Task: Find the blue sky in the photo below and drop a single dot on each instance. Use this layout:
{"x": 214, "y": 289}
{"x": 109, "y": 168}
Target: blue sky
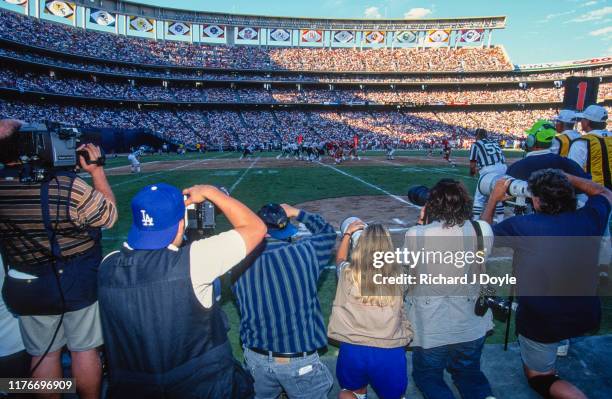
{"x": 537, "y": 30}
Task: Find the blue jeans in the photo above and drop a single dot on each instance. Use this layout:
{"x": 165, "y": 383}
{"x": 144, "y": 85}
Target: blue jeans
{"x": 463, "y": 363}
{"x": 301, "y": 378}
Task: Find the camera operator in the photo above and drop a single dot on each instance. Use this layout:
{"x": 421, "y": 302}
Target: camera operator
{"x": 447, "y": 333}
{"x": 550, "y": 250}
{"x": 564, "y": 124}
{"x": 165, "y": 335}
{"x": 50, "y": 233}
{"x": 281, "y": 323}
{"x": 540, "y": 156}
{"x": 486, "y": 156}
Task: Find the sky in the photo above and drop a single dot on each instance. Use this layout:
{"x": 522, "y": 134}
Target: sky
{"x": 536, "y": 30}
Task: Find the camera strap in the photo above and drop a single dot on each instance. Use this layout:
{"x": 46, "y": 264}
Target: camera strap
{"x": 51, "y": 236}
{"x": 479, "y": 236}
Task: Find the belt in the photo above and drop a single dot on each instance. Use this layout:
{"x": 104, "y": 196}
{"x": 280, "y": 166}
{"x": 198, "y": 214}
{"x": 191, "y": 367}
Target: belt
{"x": 283, "y": 354}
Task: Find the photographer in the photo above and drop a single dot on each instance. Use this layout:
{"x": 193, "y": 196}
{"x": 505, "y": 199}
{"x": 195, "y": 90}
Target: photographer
{"x": 50, "y": 239}
{"x": 281, "y": 323}
{"x": 447, "y": 333}
{"x": 165, "y": 335}
{"x": 368, "y": 319}
{"x": 555, "y": 264}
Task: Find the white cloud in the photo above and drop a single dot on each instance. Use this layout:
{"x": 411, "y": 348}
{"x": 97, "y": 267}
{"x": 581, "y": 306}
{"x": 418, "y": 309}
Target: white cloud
{"x": 594, "y": 15}
{"x": 417, "y": 13}
{"x": 601, "y": 32}
{"x": 550, "y": 17}
{"x": 604, "y": 33}
{"x": 372, "y": 12}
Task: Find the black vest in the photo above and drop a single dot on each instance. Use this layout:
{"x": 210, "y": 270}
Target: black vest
{"x": 151, "y": 319}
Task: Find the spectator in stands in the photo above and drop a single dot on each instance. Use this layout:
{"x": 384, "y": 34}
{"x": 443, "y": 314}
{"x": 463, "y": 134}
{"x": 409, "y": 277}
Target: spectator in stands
{"x": 447, "y": 333}
{"x": 184, "y": 353}
{"x": 368, "y": 319}
{"x": 41, "y": 243}
{"x": 556, "y": 270}
{"x": 281, "y": 323}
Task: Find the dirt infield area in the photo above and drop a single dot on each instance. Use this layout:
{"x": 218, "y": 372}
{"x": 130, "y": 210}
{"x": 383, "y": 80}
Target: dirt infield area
{"x": 221, "y": 162}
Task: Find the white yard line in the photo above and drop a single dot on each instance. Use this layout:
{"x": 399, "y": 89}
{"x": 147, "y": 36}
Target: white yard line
{"x": 432, "y": 170}
{"x": 237, "y": 182}
{"x": 382, "y": 190}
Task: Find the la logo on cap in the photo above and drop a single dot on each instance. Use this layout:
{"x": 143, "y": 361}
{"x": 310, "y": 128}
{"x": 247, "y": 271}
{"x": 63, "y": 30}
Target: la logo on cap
{"x": 147, "y": 220}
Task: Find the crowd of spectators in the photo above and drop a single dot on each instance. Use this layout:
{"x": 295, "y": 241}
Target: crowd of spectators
{"x": 107, "y": 46}
{"x": 233, "y": 129}
{"x": 156, "y": 91}
{"x": 282, "y": 77}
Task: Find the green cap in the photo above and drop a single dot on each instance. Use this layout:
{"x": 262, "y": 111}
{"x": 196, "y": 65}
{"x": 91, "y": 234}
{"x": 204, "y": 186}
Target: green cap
{"x": 543, "y": 131}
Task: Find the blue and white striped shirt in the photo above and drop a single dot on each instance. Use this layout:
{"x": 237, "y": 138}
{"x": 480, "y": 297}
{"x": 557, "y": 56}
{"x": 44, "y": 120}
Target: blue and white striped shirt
{"x": 277, "y": 294}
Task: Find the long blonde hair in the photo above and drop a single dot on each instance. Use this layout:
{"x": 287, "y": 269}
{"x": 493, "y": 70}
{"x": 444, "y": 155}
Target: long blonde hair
{"x": 375, "y": 238}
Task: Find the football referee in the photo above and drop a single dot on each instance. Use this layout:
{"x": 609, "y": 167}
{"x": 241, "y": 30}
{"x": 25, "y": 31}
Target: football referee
{"x": 486, "y": 157}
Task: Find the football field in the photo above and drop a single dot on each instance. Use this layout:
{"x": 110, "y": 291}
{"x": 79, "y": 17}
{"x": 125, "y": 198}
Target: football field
{"x": 373, "y": 189}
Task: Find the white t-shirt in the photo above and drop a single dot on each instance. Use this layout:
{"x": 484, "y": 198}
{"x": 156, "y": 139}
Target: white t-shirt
{"x": 10, "y": 336}
{"x": 210, "y": 258}
{"x": 579, "y": 150}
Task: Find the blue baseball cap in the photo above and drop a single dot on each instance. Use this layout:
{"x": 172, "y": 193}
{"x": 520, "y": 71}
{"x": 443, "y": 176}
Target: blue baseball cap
{"x": 156, "y": 212}
{"x": 277, "y": 222}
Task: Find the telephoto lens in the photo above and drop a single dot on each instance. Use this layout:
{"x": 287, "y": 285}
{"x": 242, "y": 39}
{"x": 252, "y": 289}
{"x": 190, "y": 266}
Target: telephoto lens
{"x": 418, "y": 195}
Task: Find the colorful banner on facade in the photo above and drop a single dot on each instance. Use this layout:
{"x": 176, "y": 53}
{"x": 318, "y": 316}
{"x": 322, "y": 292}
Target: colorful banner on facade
{"x": 178, "y": 29}
{"x": 566, "y": 64}
{"x": 405, "y": 36}
{"x": 471, "y": 35}
{"x": 248, "y": 33}
{"x": 213, "y": 31}
{"x": 438, "y": 36}
{"x": 61, "y": 9}
{"x": 374, "y": 36}
{"x": 101, "y": 17}
{"x": 280, "y": 35}
{"x": 312, "y": 36}
{"x": 142, "y": 24}
{"x": 17, "y": 2}
{"x": 344, "y": 36}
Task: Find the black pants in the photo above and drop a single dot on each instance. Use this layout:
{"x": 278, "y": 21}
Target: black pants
{"x": 16, "y": 365}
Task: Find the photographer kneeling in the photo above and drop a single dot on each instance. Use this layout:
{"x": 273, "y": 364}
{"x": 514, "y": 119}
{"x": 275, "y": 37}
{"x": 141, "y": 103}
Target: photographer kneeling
{"x": 165, "y": 334}
{"x": 50, "y": 238}
{"x": 447, "y": 333}
{"x": 555, "y": 264}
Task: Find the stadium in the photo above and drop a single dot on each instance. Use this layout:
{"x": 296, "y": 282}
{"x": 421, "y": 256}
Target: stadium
{"x": 234, "y": 101}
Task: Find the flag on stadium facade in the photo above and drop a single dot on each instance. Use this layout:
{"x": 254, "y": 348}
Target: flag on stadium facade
{"x": 17, "y": 2}
{"x": 471, "y": 35}
{"x": 280, "y": 35}
{"x": 312, "y": 36}
{"x": 344, "y": 36}
{"x": 405, "y": 36}
{"x": 61, "y": 9}
{"x": 213, "y": 31}
{"x": 248, "y": 33}
{"x": 178, "y": 29}
{"x": 142, "y": 24}
{"x": 101, "y": 17}
{"x": 438, "y": 36}
{"x": 375, "y": 36}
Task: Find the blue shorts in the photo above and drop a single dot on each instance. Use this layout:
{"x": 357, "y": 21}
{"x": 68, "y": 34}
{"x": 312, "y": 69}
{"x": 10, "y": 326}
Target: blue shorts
{"x": 383, "y": 368}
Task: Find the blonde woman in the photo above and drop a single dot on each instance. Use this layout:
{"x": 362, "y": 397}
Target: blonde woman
{"x": 368, "y": 319}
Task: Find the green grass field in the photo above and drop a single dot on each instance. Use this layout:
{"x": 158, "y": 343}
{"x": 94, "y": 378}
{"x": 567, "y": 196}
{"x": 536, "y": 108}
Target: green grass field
{"x": 292, "y": 185}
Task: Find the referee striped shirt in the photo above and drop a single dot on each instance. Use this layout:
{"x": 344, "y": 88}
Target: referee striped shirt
{"x": 486, "y": 153}
{"x": 277, "y": 293}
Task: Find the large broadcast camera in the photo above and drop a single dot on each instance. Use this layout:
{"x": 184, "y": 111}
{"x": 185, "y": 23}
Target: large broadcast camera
{"x": 47, "y": 147}
{"x": 518, "y": 189}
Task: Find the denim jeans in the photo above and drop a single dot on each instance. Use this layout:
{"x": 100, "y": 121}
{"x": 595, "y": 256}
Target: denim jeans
{"x": 301, "y": 378}
{"x": 463, "y": 363}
